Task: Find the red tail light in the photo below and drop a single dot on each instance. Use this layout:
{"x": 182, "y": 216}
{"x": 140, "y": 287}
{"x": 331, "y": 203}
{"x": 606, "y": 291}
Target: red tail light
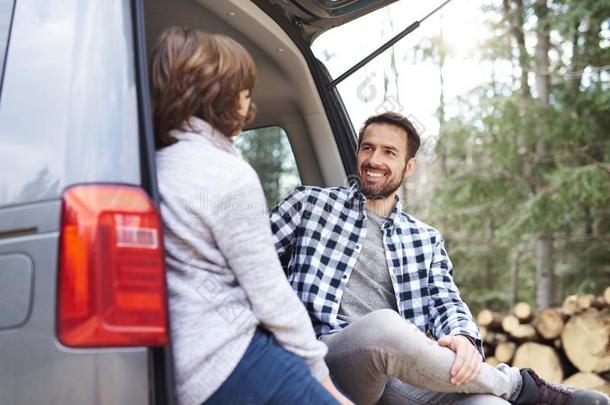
{"x": 111, "y": 277}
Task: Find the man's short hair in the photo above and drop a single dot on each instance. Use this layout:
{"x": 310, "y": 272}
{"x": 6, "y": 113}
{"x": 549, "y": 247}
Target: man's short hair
{"x": 392, "y": 118}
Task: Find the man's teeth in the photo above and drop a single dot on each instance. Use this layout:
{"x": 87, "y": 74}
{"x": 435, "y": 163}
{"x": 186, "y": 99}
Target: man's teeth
{"x": 374, "y": 174}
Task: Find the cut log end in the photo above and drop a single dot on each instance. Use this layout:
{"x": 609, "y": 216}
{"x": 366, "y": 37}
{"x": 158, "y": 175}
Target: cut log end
{"x": 509, "y": 323}
{"x": 505, "y": 351}
{"x": 585, "y": 301}
{"x": 492, "y": 361}
{"x": 570, "y": 305}
{"x": 586, "y": 340}
{"x": 523, "y": 311}
{"x": 524, "y": 333}
{"x": 589, "y": 381}
{"x": 549, "y": 323}
{"x": 488, "y": 319}
{"x": 542, "y": 359}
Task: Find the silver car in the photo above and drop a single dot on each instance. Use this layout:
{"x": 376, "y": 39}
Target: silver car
{"x": 82, "y": 293}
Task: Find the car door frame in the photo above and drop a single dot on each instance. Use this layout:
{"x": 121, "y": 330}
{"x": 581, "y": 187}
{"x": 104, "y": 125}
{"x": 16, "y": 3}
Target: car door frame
{"x": 160, "y": 359}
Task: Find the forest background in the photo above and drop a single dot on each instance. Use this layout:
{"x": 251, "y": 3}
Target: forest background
{"x": 515, "y": 171}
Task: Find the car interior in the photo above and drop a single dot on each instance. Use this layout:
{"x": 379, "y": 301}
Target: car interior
{"x": 285, "y": 92}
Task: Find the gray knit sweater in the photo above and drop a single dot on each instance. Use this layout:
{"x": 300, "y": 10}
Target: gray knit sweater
{"x": 223, "y": 275}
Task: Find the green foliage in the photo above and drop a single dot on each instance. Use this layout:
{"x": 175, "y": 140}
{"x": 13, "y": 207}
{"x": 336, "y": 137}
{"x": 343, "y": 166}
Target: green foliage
{"x": 268, "y": 152}
{"x": 515, "y": 167}
{"x": 584, "y": 186}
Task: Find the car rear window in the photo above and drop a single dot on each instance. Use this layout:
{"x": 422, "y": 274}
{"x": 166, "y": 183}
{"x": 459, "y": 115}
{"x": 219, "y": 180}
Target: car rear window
{"x": 68, "y": 103}
{"x": 6, "y": 14}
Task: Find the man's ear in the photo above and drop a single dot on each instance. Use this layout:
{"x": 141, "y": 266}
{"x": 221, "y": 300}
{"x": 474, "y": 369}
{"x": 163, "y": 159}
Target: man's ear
{"x": 410, "y": 167}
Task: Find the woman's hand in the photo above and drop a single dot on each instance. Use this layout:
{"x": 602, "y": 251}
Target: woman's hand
{"x": 330, "y": 387}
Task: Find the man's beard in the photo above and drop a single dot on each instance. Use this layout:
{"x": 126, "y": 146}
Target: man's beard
{"x": 382, "y": 191}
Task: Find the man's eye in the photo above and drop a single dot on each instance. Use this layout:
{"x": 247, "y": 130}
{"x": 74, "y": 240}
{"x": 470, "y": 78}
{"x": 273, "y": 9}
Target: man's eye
{"x": 391, "y": 153}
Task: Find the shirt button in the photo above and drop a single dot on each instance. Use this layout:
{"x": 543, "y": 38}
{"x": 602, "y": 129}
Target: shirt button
{"x": 358, "y": 247}
{"x": 345, "y": 277}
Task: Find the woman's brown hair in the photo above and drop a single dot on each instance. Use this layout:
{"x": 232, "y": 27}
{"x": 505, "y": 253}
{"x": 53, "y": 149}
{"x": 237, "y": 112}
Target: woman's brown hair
{"x": 194, "y": 73}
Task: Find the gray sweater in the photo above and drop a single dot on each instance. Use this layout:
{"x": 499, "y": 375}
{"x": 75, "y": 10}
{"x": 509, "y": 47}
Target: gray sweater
{"x": 223, "y": 275}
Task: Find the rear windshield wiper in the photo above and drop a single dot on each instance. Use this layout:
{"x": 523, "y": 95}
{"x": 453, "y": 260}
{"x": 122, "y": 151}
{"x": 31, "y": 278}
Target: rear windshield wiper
{"x": 384, "y": 47}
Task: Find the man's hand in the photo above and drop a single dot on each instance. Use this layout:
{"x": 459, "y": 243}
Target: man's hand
{"x": 330, "y": 387}
{"x": 468, "y": 360}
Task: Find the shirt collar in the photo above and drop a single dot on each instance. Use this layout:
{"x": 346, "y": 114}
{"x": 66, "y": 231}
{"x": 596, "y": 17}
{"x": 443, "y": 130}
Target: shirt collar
{"x": 359, "y": 200}
{"x": 197, "y": 130}
{"x": 396, "y": 215}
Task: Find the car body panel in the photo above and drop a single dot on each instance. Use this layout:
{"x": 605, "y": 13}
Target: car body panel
{"x": 68, "y": 114}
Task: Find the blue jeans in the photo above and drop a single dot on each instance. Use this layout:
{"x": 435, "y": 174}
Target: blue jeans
{"x": 269, "y": 374}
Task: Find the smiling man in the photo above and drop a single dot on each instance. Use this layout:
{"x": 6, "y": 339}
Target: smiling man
{"x": 375, "y": 280}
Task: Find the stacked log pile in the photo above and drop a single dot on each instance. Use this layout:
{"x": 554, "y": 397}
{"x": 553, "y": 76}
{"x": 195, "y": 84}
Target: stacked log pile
{"x": 569, "y": 344}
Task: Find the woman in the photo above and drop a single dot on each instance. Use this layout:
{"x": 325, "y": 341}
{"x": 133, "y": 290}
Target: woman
{"x": 239, "y": 332}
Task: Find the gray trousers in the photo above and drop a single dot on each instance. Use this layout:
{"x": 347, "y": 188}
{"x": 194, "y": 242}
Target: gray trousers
{"x": 383, "y": 358}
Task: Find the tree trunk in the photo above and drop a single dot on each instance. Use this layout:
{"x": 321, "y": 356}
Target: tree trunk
{"x": 393, "y": 67}
{"x": 513, "y": 289}
{"x": 576, "y": 64}
{"x": 544, "y": 240}
{"x": 516, "y": 21}
{"x": 442, "y": 56}
{"x": 488, "y": 281}
{"x": 543, "y": 74}
{"x": 544, "y": 270}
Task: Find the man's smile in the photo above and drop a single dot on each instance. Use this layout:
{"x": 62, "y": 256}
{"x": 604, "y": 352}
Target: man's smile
{"x": 374, "y": 175}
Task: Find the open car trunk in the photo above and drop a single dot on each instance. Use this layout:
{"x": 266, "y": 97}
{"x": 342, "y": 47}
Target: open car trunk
{"x": 316, "y": 16}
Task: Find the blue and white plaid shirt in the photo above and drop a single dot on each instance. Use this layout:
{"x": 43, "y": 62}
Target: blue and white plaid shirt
{"x": 318, "y": 233}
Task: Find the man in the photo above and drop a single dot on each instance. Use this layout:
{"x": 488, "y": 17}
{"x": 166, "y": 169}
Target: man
{"x": 375, "y": 280}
